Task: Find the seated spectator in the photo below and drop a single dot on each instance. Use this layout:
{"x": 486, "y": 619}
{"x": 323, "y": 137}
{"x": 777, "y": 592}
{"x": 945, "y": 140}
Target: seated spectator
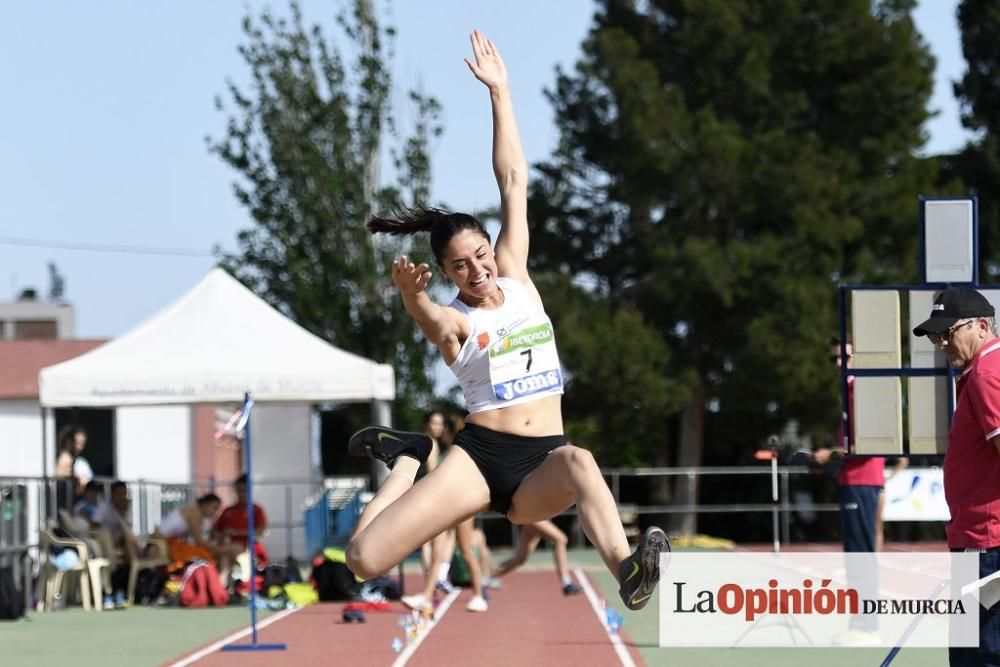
{"x": 114, "y": 517}
{"x": 231, "y": 526}
{"x": 89, "y": 504}
{"x": 186, "y": 530}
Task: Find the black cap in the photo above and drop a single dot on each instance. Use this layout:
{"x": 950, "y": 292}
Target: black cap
{"x": 952, "y": 305}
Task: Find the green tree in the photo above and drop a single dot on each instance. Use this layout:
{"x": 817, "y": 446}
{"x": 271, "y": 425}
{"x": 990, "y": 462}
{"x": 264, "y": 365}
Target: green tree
{"x": 306, "y": 137}
{"x": 978, "y": 164}
{"x": 619, "y": 389}
{"x": 722, "y": 167}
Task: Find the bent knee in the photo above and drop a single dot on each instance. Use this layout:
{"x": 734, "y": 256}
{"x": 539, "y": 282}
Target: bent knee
{"x": 581, "y": 461}
{"x": 360, "y": 561}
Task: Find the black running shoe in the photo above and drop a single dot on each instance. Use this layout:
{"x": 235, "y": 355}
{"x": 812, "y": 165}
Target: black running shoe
{"x": 572, "y": 589}
{"x": 640, "y": 572}
{"x": 387, "y": 445}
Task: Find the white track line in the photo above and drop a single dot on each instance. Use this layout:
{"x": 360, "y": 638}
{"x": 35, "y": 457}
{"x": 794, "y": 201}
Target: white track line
{"x": 595, "y": 604}
{"x": 212, "y": 648}
{"x": 442, "y": 609}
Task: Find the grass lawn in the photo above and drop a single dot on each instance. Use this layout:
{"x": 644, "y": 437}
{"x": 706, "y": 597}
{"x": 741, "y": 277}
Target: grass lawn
{"x": 132, "y": 637}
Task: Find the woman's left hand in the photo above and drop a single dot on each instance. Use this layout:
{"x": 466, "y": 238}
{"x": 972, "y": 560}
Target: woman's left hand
{"x": 410, "y": 278}
{"x": 488, "y": 67}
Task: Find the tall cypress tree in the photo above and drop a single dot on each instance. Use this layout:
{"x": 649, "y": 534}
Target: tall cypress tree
{"x": 978, "y": 163}
{"x": 722, "y": 167}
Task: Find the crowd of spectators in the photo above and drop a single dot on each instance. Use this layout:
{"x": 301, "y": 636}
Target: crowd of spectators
{"x": 202, "y": 532}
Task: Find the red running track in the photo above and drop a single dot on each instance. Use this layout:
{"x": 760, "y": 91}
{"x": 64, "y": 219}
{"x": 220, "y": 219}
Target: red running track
{"x": 530, "y": 622}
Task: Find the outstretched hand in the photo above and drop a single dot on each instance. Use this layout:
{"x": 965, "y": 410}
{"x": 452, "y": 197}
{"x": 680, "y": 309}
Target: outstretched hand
{"x": 410, "y": 278}
{"x": 488, "y": 66}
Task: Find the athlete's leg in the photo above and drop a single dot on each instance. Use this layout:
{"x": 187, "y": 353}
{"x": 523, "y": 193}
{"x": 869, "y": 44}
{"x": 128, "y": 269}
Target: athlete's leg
{"x": 485, "y": 556}
{"x": 550, "y": 532}
{"x": 570, "y": 475}
{"x": 463, "y": 535}
{"x": 426, "y": 555}
{"x": 399, "y": 481}
{"x": 527, "y": 542}
{"x": 414, "y": 513}
{"x": 442, "y": 547}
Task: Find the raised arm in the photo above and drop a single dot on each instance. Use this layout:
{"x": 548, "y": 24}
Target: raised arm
{"x": 509, "y": 163}
{"x": 443, "y": 327}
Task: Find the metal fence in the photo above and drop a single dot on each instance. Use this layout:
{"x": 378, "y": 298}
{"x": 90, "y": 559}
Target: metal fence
{"x": 29, "y": 502}
{"x": 773, "y": 497}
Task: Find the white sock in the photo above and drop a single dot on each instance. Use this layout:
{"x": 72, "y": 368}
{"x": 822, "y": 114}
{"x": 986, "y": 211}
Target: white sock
{"x": 566, "y": 580}
{"x": 443, "y": 570}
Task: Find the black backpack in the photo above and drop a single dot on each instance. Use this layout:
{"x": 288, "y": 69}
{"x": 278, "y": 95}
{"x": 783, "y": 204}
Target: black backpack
{"x": 333, "y": 581}
{"x": 274, "y": 575}
{"x": 11, "y": 599}
{"x": 388, "y": 587}
{"x": 292, "y": 571}
{"x": 149, "y": 585}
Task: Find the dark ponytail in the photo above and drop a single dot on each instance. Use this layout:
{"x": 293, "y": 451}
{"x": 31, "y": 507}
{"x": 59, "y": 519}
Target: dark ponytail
{"x": 406, "y": 220}
{"x": 442, "y": 225}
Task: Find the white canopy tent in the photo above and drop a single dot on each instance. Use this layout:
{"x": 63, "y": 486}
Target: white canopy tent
{"x": 214, "y": 344}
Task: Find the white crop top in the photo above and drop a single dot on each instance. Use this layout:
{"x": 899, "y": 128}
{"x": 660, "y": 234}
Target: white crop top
{"x": 510, "y": 355}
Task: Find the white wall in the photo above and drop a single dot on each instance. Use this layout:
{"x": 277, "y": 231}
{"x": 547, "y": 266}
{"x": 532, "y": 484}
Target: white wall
{"x": 154, "y": 443}
{"x": 14, "y": 311}
{"x": 281, "y": 451}
{"x": 21, "y": 439}
{"x": 21, "y": 456}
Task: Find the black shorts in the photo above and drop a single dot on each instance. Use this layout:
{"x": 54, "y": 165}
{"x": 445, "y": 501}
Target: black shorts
{"x": 504, "y": 459}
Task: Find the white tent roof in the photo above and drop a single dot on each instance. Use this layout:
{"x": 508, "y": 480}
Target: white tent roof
{"x": 215, "y": 343}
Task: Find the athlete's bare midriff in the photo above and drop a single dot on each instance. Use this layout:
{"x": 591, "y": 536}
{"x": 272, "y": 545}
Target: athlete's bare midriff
{"x": 535, "y": 419}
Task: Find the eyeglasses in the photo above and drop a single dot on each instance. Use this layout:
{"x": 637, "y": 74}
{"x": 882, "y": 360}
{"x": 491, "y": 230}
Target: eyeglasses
{"x": 937, "y": 339}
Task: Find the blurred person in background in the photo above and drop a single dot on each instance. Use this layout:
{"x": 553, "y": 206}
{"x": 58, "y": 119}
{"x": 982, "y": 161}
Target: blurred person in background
{"x": 232, "y": 525}
{"x": 72, "y": 469}
{"x": 528, "y": 541}
{"x": 187, "y": 531}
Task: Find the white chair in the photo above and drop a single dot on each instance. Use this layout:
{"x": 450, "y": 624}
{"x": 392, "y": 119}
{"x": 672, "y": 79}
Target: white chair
{"x": 157, "y": 546}
{"x": 87, "y": 571}
{"x": 115, "y": 557}
{"x": 101, "y": 553}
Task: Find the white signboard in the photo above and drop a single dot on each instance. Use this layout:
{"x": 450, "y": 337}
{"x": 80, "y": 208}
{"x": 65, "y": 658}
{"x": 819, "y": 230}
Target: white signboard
{"x": 915, "y": 494}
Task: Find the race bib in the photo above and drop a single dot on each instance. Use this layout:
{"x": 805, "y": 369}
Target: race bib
{"x": 525, "y": 361}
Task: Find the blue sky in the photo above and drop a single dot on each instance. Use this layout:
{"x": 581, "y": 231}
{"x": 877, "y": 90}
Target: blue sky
{"x": 107, "y": 104}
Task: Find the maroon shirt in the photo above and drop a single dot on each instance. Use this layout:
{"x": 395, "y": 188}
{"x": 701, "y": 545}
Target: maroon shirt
{"x": 972, "y": 462}
{"x": 234, "y": 518}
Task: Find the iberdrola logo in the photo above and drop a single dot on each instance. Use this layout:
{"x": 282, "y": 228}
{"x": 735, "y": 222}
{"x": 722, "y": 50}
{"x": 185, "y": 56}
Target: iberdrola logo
{"x": 523, "y": 339}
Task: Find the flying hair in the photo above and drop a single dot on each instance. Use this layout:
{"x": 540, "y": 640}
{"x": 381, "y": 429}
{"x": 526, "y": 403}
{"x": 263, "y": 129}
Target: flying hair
{"x": 406, "y": 220}
{"x": 441, "y": 224}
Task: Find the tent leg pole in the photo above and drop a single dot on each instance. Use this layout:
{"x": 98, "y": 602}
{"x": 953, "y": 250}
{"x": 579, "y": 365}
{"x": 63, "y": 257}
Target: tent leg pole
{"x": 46, "y": 509}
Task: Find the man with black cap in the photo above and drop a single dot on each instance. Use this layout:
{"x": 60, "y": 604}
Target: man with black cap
{"x": 962, "y": 325}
